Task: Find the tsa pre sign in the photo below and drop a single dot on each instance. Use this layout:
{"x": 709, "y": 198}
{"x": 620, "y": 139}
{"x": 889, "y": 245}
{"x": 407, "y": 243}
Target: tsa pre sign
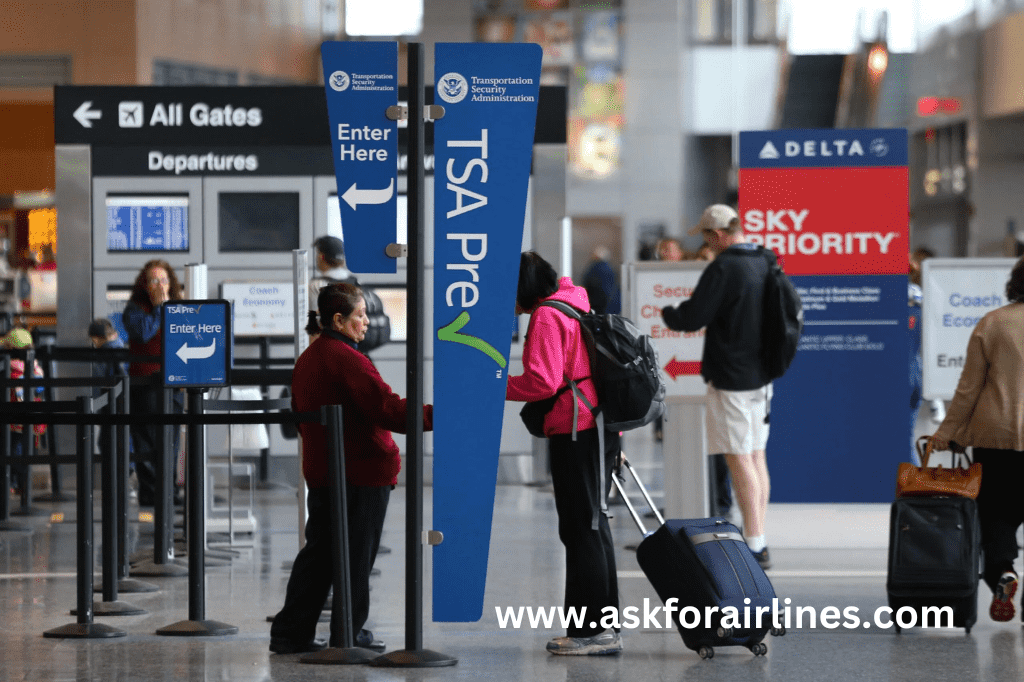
{"x": 361, "y": 82}
{"x": 483, "y": 148}
{"x": 194, "y": 344}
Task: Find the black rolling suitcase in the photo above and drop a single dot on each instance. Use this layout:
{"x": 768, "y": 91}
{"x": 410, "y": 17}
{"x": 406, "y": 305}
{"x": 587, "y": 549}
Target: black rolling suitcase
{"x": 705, "y": 563}
{"x": 934, "y": 557}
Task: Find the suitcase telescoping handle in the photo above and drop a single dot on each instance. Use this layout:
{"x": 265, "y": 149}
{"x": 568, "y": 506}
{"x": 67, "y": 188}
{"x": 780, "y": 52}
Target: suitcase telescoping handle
{"x": 618, "y": 480}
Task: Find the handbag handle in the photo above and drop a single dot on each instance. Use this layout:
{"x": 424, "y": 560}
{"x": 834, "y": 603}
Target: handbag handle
{"x": 924, "y": 451}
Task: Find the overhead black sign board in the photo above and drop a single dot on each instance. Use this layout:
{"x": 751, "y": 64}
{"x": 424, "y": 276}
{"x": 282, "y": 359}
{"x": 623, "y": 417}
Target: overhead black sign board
{"x": 233, "y": 116}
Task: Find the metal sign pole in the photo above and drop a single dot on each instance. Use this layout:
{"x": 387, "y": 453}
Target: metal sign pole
{"x": 414, "y": 655}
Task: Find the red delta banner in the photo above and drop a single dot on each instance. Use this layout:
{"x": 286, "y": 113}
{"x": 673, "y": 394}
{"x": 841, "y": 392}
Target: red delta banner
{"x": 839, "y": 221}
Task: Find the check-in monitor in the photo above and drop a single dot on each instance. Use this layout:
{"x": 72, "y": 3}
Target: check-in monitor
{"x": 138, "y": 219}
{"x": 256, "y": 222}
{"x": 147, "y": 223}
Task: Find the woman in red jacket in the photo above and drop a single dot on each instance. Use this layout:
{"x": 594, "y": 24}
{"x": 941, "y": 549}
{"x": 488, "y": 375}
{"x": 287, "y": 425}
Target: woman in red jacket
{"x": 554, "y": 352}
{"x": 333, "y": 372}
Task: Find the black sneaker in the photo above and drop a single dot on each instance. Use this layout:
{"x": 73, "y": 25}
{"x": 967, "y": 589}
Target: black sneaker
{"x": 365, "y": 640}
{"x": 280, "y": 645}
{"x": 763, "y": 559}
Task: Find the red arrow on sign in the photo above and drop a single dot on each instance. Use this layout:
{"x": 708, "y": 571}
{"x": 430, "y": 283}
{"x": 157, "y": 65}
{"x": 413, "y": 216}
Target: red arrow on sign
{"x": 675, "y": 369}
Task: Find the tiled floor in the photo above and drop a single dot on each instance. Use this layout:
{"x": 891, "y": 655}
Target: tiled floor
{"x": 823, "y": 556}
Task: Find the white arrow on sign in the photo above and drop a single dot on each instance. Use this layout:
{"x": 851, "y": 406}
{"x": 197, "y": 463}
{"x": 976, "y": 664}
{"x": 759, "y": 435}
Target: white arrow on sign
{"x": 84, "y": 115}
{"x": 353, "y": 196}
{"x": 187, "y": 352}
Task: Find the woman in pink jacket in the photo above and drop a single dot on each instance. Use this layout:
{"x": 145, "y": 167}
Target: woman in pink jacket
{"x": 554, "y": 353}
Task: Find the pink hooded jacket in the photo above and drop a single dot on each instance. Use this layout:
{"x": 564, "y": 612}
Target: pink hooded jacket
{"x": 555, "y": 349}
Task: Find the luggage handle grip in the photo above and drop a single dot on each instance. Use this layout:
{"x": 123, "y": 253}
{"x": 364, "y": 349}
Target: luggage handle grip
{"x": 618, "y": 479}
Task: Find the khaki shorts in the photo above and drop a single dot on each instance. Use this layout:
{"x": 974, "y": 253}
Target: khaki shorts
{"x": 735, "y": 420}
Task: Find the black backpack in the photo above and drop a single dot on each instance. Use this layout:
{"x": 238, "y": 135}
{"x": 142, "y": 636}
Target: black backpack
{"x": 782, "y": 322}
{"x": 623, "y": 366}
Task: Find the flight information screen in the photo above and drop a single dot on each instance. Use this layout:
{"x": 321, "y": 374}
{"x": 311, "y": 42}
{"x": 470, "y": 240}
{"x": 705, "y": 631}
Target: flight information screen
{"x": 150, "y": 223}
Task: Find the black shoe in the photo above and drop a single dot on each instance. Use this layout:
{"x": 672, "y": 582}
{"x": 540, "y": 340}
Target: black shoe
{"x": 365, "y": 640}
{"x": 762, "y": 558}
{"x": 280, "y": 645}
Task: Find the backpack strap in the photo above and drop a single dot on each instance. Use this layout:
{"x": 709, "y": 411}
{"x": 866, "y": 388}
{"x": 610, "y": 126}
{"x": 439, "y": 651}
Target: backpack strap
{"x": 578, "y": 395}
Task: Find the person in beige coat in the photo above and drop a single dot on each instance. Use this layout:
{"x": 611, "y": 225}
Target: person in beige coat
{"x": 987, "y": 413}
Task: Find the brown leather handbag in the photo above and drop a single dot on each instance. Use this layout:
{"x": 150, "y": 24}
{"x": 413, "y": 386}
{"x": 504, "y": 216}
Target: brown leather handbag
{"x": 924, "y": 481}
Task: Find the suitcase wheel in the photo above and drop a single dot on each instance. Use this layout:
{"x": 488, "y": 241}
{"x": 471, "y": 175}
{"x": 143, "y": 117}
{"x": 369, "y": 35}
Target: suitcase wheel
{"x": 778, "y": 632}
{"x": 759, "y": 649}
{"x": 723, "y": 633}
{"x": 706, "y": 652}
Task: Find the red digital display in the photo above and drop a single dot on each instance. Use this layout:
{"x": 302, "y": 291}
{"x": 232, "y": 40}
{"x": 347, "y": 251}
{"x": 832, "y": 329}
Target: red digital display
{"x": 839, "y": 221}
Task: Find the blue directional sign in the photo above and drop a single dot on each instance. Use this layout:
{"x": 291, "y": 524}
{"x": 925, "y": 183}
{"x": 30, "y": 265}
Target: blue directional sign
{"x": 361, "y": 81}
{"x": 484, "y": 147}
{"x": 194, "y": 348}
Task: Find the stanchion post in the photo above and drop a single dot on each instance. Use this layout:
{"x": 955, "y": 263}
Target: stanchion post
{"x": 163, "y": 509}
{"x": 197, "y": 625}
{"x": 110, "y": 509}
{"x": 414, "y": 655}
{"x": 344, "y": 652}
{"x": 84, "y": 627}
{"x": 125, "y": 583}
{"x": 110, "y": 605}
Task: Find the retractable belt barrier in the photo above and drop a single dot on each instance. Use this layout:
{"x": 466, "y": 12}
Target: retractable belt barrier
{"x": 111, "y": 409}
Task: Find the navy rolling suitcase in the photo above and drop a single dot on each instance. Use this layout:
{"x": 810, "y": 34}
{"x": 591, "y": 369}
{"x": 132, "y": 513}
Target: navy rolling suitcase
{"x": 705, "y": 564}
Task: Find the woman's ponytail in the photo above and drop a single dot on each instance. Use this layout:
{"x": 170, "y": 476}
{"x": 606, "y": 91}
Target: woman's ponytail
{"x": 312, "y": 326}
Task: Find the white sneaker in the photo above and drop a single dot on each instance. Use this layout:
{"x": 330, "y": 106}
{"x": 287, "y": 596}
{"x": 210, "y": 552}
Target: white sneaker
{"x": 602, "y": 644}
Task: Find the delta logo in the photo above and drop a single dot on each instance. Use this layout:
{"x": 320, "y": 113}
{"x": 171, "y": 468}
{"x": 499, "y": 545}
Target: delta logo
{"x": 807, "y": 148}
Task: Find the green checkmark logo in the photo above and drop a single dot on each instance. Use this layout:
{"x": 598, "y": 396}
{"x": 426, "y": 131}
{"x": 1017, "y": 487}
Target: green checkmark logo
{"x": 450, "y": 332}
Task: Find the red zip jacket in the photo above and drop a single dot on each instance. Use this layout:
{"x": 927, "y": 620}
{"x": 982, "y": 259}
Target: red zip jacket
{"x": 554, "y": 350}
{"x": 332, "y": 372}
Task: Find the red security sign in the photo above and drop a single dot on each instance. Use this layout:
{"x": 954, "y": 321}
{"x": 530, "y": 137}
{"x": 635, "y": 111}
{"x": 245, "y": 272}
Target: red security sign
{"x": 839, "y": 221}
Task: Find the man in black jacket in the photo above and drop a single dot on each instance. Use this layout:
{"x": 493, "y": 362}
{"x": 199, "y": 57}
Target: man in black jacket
{"x": 728, "y": 301}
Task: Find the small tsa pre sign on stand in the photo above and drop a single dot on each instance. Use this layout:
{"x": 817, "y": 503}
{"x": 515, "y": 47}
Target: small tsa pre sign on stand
{"x": 195, "y": 351}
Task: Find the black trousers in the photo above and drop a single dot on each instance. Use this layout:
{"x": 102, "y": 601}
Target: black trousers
{"x": 147, "y": 438}
{"x": 312, "y": 572}
{"x": 590, "y": 577}
{"x": 999, "y": 509}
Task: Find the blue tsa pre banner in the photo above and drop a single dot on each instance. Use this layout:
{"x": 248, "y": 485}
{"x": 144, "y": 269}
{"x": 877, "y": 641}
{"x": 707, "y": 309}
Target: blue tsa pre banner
{"x": 361, "y": 81}
{"x": 483, "y": 150}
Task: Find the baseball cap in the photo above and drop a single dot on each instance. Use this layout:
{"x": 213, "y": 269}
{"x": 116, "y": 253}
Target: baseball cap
{"x": 17, "y": 338}
{"x": 331, "y": 247}
{"x": 716, "y": 217}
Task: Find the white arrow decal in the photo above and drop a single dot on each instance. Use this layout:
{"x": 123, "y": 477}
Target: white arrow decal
{"x": 353, "y": 197}
{"x": 187, "y": 352}
{"x": 84, "y": 115}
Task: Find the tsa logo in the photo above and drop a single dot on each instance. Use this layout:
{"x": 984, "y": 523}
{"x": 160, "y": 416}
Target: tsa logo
{"x": 452, "y": 87}
{"x": 878, "y": 147}
{"x": 339, "y": 81}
